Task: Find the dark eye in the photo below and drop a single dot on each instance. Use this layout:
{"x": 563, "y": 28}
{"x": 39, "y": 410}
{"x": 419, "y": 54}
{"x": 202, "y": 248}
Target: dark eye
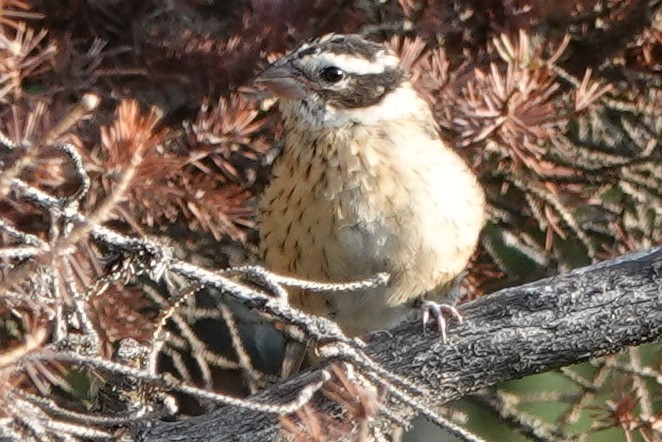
{"x": 332, "y": 74}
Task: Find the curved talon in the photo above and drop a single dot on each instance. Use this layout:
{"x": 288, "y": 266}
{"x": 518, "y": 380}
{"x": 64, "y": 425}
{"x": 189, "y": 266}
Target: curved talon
{"x": 431, "y": 308}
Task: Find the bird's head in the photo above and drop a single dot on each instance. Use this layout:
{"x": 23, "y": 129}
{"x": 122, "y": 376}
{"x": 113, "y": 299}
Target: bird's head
{"x": 337, "y": 80}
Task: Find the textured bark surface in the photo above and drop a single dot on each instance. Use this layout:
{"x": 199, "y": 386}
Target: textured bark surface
{"x": 515, "y": 332}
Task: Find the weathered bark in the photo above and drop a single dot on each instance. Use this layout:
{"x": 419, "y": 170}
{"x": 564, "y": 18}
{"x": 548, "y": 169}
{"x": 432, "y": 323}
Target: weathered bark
{"x": 515, "y": 332}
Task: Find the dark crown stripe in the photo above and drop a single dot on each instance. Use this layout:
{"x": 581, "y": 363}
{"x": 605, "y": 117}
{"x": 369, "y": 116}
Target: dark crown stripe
{"x": 346, "y": 44}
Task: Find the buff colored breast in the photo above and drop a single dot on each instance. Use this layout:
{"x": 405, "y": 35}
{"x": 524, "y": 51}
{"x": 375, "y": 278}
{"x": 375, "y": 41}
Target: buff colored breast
{"x": 352, "y": 202}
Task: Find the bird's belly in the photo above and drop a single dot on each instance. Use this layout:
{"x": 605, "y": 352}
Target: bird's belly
{"x": 344, "y": 239}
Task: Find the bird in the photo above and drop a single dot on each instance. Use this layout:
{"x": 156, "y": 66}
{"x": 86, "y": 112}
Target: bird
{"x": 364, "y": 185}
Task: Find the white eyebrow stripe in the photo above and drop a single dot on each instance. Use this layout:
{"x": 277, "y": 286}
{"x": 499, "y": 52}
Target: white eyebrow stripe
{"x": 359, "y": 65}
{"x": 326, "y": 37}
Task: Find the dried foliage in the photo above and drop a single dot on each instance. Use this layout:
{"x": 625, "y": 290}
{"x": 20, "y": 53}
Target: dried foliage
{"x": 356, "y": 408}
{"x": 139, "y": 116}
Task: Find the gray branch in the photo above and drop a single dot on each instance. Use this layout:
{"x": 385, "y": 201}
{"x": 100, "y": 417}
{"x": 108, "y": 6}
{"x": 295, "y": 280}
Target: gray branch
{"x": 566, "y": 319}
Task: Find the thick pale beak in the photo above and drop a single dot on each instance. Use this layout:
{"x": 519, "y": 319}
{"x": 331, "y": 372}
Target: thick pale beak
{"x": 283, "y": 80}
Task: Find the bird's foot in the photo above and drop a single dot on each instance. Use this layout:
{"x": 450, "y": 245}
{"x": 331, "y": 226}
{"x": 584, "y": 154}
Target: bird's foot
{"x": 437, "y": 311}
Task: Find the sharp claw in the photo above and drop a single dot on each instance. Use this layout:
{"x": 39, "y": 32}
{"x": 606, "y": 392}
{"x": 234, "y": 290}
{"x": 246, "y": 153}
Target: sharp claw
{"x": 452, "y": 311}
{"x": 436, "y": 310}
{"x": 441, "y": 325}
{"x": 426, "y": 318}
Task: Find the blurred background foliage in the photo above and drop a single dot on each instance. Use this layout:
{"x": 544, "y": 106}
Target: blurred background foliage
{"x": 556, "y": 105}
